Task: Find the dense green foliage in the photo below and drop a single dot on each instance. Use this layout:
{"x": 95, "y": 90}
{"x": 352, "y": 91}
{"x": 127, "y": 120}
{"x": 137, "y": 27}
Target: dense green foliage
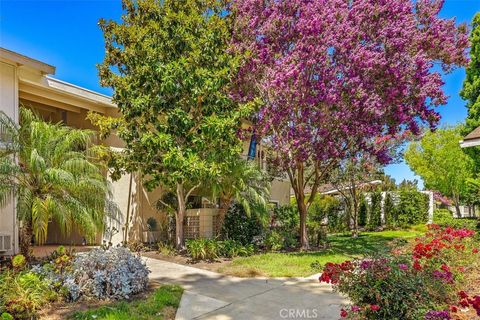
{"x": 444, "y": 218}
{"x": 471, "y": 84}
{"x": 412, "y": 208}
{"x": 211, "y": 249}
{"x": 325, "y": 214}
{"x": 240, "y": 226}
{"x": 58, "y": 177}
{"x": 441, "y": 162}
{"x": 23, "y": 293}
{"x": 362, "y": 213}
{"x": 152, "y": 307}
{"x": 471, "y": 89}
{"x": 169, "y": 67}
{"x": 374, "y": 219}
{"x": 390, "y": 210}
{"x": 284, "y": 228}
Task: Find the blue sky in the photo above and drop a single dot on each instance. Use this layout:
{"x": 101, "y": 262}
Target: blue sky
{"x": 65, "y": 33}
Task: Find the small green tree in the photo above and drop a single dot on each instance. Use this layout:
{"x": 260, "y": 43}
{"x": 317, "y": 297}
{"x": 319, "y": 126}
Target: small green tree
{"x": 168, "y": 64}
{"x": 441, "y": 163}
{"x": 244, "y": 182}
{"x": 362, "y": 213}
{"x": 389, "y": 209}
{"x": 55, "y": 173}
{"x": 375, "y": 210}
{"x": 412, "y": 207}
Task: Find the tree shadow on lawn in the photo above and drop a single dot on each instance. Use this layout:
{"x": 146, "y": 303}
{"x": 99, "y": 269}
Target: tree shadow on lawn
{"x": 363, "y": 245}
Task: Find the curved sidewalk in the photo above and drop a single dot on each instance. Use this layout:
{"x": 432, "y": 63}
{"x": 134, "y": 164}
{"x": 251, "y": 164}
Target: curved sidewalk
{"x": 209, "y": 295}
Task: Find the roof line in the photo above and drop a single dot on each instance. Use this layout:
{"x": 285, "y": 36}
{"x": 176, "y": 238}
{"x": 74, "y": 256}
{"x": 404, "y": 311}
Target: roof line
{"x": 25, "y": 60}
{"x": 78, "y": 87}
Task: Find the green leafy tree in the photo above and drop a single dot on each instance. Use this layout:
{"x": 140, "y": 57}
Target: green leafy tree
{"x": 168, "y": 64}
{"x": 54, "y": 172}
{"x": 471, "y": 84}
{"x": 441, "y": 163}
{"x": 471, "y": 89}
{"x": 375, "y": 212}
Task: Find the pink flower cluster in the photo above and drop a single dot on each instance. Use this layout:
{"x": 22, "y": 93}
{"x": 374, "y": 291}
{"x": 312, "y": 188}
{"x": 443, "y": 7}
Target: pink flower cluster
{"x": 334, "y": 75}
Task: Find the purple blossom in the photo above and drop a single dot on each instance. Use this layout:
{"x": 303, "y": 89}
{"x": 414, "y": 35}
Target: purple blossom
{"x": 438, "y": 315}
{"x": 403, "y": 266}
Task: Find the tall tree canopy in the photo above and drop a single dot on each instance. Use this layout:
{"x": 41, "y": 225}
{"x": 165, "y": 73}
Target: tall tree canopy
{"x": 168, "y": 64}
{"x": 471, "y": 89}
{"x": 332, "y": 75}
{"x": 471, "y": 85}
{"x": 441, "y": 163}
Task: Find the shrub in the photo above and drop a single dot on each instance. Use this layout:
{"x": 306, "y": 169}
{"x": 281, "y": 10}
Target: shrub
{"x": 412, "y": 207}
{"x": 444, "y": 217}
{"x": 362, "y": 213}
{"x": 286, "y": 218}
{"x": 107, "y": 273}
{"x": 374, "y": 217}
{"x": 210, "y": 249}
{"x": 6, "y": 316}
{"x": 273, "y": 241}
{"x": 390, "y": 210}
{"x": 419, "y": 284}
{"x": 166, "y": 249}
{"x": 232, "y": 248}
{"x": 203, "y": 249}
{"x": 324, "y": 210}
{"x": 19, "y": 262}
{"x": 23, "y": 294}
{"x": 241, "y": 227}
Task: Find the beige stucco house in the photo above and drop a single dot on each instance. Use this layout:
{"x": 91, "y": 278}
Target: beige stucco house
{"x": 29, "y": 82}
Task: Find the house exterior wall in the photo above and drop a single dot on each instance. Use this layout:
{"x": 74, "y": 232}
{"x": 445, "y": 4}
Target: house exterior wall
{"x": 9, "y": 105}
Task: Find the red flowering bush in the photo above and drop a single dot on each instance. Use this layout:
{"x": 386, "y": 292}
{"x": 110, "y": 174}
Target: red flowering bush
{"x": 422, "y": 283}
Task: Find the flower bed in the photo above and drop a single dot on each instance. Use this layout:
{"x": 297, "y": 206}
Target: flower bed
{"x": 110, "y": 273}
{"x": 425, "y": 282}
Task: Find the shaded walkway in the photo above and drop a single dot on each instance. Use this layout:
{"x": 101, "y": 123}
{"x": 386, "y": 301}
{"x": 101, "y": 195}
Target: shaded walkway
{"x": 209, "y": 295}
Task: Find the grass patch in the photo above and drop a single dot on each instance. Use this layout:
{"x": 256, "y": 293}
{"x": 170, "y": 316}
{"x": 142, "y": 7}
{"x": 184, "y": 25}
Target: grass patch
{"x": 298, "y": 264}
{"x": 161, "y": 304}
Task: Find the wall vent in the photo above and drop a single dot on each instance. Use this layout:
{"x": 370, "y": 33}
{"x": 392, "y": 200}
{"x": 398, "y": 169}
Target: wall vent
{"x": 5, "y": 242}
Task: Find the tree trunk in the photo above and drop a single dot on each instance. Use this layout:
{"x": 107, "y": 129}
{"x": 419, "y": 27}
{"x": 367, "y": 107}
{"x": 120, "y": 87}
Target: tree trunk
{"x": 302, "y": 209}
{"x": 222, "y": 212}
{"x": 354, "y": 218}
{"x": 179, "y": 240}
{"x": 299, "y": 188}
{"x": 457, "y": 210}
{"x": 26, "y": 235}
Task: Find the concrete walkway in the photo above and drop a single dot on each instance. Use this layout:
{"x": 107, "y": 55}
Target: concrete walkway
{"x": 209, "y": 295}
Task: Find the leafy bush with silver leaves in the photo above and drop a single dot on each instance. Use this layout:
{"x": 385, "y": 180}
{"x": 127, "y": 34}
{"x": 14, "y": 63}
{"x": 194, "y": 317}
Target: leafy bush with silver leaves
{"x": 107, "y": 273}
{"x": 110, "y": 273}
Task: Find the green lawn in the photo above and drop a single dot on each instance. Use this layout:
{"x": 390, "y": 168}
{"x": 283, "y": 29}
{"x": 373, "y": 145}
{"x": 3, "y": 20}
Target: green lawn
{"x": 298, "y": 264}
{"x": 161, "y": 304}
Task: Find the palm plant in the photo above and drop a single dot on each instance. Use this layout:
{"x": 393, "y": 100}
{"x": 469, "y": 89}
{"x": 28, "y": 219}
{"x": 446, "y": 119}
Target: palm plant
{"x": 54, "y": 172}
{"x": 244, "y": 183}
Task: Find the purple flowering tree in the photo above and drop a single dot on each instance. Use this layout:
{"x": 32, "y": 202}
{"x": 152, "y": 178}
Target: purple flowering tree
{"x": 330, "y": 77}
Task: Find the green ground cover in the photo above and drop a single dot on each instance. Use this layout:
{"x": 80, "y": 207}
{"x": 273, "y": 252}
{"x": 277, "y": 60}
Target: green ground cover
{"x": 341, "y": 247}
